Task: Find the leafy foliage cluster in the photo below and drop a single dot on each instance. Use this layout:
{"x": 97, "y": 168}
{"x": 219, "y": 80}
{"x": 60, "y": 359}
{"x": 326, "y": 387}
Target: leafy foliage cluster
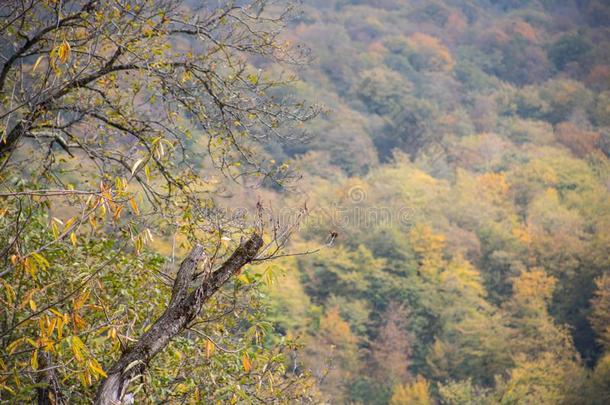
{"x": 120, "y": 123}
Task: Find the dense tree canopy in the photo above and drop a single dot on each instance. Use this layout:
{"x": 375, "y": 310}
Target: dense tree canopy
{"x": 472, "y": 247}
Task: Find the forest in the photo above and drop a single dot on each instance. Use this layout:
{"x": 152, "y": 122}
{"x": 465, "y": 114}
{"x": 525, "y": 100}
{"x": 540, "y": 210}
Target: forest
{"x": 401, "y": 202}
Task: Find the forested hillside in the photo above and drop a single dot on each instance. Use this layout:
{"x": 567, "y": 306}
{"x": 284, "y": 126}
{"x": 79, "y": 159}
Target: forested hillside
{"x": 321, "y": 201}
{"x": 463, "y": 163}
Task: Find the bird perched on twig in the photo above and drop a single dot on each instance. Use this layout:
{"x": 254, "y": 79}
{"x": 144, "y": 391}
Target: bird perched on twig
{"x": 331, "y": 238}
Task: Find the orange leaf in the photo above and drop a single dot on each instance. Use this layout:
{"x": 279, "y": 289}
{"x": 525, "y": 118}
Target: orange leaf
{"x": 245, "y": 361}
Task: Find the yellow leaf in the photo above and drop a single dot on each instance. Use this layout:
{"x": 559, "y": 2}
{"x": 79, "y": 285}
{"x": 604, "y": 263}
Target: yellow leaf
{"x": 60, "y": 327}
{"x": 33, "y": 304}
{"x": 245, "y": 361}
{"x": 30, "y": 266}
{"x": 40, "y": 261}
{"x": 186, "y": 76}
{"x": 253, "y": 79}
{"x": 69, "y": 223}
{"x": 34, "y": 360}
{"x": 209, "y": 348}
{"x": 51, "y": 326}
{"x": 138, "y": 244}
{"x": 118, "y": 184}
{"x": 85, "y": 378}
{"x": 11, "y": 296}
{"x": 134, "y": 206}
{"x": 81, "y": 299}
{"x": 78, "y": 348}
{"x": 13, "y": 346}
{"x": 48, "y": 345}
{"x": 73, "y": 239}
{"x": 95, "y": 368}
{"x": 112, "y": 333}
{"x": 63, "y": 51}
{"x": 55, "y": 230}
{"x": 117, "y": 212}
{"x": 57, "y": 313}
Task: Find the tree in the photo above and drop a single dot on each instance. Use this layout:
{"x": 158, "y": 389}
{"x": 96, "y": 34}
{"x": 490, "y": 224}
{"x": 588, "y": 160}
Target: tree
{"x": 416, "y": 393}
{"x": 471, "y": 331}
{"x": 599, "y": 77}
{"x": 462, "y": 393}
{"x": 600, "y": 312}
{"x": 429, "y": 53}
{"x": 580, "y": 142}
{"x": 183, "y": 308}
{"x": 391, "y": 350}
{"x": 599, "y": 382}
{"x": 532, "y": 292}
{"x": 601, "y": 110}
{"x": 410, "y": 128}
{"x": 564, "y": 97}
{"x": 119, "y": 120}
{"x": 332, "y": 354}
{"x": 382, "y": 90}
{"x": 546, "y": 380}
{"x": 568, "y": 48}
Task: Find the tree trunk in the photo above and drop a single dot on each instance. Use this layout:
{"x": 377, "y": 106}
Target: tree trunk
{"x": 183, "y": 309}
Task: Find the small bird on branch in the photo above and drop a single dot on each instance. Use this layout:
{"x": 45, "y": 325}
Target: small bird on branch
{"x": 331, "y": 238}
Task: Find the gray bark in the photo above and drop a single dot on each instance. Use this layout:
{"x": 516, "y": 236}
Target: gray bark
{"x": 183, "y": 309}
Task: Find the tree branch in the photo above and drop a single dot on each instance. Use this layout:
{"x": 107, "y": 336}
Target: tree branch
{"x": 48, "y": 392}
{"x": 37, "y": 38}
{"x": 183, "y": 309}
{"x": 22, "y": 126}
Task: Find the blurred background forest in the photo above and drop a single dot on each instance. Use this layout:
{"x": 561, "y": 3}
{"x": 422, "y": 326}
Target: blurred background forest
{"x": 489, "y": 121}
